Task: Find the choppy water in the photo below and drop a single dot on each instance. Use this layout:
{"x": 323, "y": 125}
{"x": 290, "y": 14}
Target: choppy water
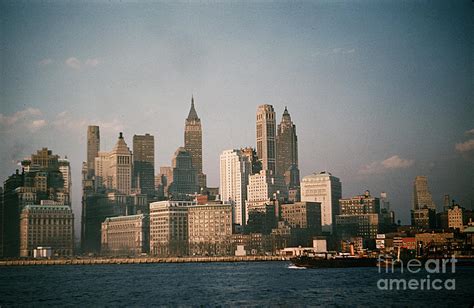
{"x": 224, "y": 284}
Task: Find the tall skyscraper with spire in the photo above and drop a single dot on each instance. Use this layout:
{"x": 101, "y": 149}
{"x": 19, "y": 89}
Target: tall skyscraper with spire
{"x": 193, "y": 143}
{"x": 266, "y": 145}
{"x": 287, "y": 151}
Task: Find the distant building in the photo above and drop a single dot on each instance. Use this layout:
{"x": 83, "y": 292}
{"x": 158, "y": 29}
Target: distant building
{"x": 93, "y": 148}
{"x": 303, "y": 215}
{"x": 255, "y": 162}
{"x": 421, "y": 194}
{"x": 362, "y": 225}
{"x": 169, "y": 228}
{"x": 210, "y": 229}
{"x": 361, "y": 204}
{"x": 144, "y": 163}
{"x": 125, "y": 235}
{"x": 326, "y": 189}
{"x": 48, "y": 224}
{"x": 193, "y": 143}
{"x": 65, "y": 169}
{"x": 185, "y": 180}
{"x": 266, "y": 137}
{"x": 235, "y": 169}
{"x": 455, "y": 218}
{"x": 423, "y": 218}
{"x": 114, "y": 169}
{"x": 446, "y": 203}
{"x": 164, "y": 180}
{"x": 287, "y": 151}
{"x": 264, "y": 188}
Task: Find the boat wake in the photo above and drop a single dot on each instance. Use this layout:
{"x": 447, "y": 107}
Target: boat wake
{"x": 292, "y": 266}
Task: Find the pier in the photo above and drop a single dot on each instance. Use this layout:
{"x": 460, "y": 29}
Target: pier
{"x": 139, "y": 260}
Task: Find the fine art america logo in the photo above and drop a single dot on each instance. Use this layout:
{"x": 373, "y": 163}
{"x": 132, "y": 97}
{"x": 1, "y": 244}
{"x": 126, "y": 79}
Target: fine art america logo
{"x": 429, "y": 274}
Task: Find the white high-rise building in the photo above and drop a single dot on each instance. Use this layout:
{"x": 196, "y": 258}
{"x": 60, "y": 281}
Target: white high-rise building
{"x": 235, "y": 169}
{"x": 324, "y": 188}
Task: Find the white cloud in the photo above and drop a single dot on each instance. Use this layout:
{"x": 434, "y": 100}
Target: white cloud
{"x": 92, "y": 62}
{"x": 391, "y": 163}
{"x": 465, "y": 147}
{"x": 73, "y": 63}
{"x": 469, "y": 132}
{"x": 37, "y": 124}
{"x": 25, "y": 114}
{"x": 45, "y": 62}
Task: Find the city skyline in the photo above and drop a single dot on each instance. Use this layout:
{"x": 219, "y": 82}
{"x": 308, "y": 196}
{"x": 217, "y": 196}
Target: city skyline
{"x": 372, "y": 129}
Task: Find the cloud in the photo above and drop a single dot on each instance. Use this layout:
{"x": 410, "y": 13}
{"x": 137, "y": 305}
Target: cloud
{"x": 469, "y": 132}
{"x": 45, "y": 62}
{"x": 392, "y": 163}
{"x": 64, "y": 120}
{"x": 465, "y": 147}
{"x": 37, "y": 124}
{"x": 19, "y": 115}
{"x": 73, "y": 63}
{"x": 92, "y": 62}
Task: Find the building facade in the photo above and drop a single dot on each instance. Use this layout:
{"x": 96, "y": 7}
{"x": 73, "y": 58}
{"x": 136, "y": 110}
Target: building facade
{"x": 287, "y": 151}
{"x": 93, "y": 148}
{"x": 169, "y": 228}
{"x": 235, "y": 169}
{"x": 266, "y": 137}
{"x": 361, "y": 204}
{"x": 48, "y": 224}
{"x": 421, "y": 194}
{"x": 144, "y": 163}
{"x": 125, "y": 235}
{"x": 303, "y": 215}
{"x": 326, "y": 189}
{"x": 185, "y": 180}
{"x": 455, "y": 218}
{"x": 193, "y": 143}
{"x": 210, "y": 229}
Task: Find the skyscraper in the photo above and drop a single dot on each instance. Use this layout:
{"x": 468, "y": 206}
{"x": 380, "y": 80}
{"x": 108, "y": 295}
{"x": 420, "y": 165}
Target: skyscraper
{"x": 266, "y": 145}
{"x": 287, "y": 151}
{"x": 421, "y": 194}
{"x": 235, "y": 168}
{"x": 324, "y": 188}
{"x": 93, "y": 147}
{"x": 65, "y": 169}
{"x": 184, "y": 176}
{"x": 193, "y": 142}
{"x": 144, "y": 163}
{"x": 114, "y": 169}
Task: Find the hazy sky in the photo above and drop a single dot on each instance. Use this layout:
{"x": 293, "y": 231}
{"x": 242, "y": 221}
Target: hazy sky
{"x": 380, "y": 91}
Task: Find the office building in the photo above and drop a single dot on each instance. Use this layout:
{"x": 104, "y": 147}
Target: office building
{"x": 125, "y": 235}
{"x": 185, "y": 180}
{"x": 93, "y": 148}
{"x": 303, "y": 215}
{"x": 360, "y": 204}
{"x": 144, "y": 163}
{"x": 193, "y": 143}
{"x": 266, "y": 137}
{"x": 287, "y": 151}
{"x": 210, "y": 229}
{"x": 48, "y": 224}
{"x": 455, "y": 218}
{"x": 235, "y": 168}
{"x": 421, "y": 194}
{"x": 326, "y": 189}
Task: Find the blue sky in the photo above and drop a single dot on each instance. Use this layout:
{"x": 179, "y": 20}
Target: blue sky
{"x": 380, "y": 91}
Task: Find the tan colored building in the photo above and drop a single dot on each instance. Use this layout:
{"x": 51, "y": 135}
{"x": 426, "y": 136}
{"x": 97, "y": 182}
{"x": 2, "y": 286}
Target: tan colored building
{"x": 49, "y": 225}
{"x": 363, "y": 225}
{"x": 287, "y": 151}
{"x": 210, "y": 229}
{"x": 114, "y": 169}
{"x": 169, "y": 228}
{"x": 193, "y": 143}
{"x": 303, "y": 215}
{"x": 455, "y": 218}
{"x": 125, "y": 235}
{"x": 421, "y": 194}
{"x": 266, "y": 137}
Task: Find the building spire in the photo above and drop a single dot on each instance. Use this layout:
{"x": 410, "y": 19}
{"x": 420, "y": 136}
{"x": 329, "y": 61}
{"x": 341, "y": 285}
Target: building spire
{"x": 192, "y": 112}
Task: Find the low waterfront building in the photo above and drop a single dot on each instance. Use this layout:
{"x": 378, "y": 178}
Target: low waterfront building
{"x": 125, "y": 235}
{"x": 169, "y": 227}
{"x": 304, "y": 215}
{"x": 47, "y": 224}
{"x": 210, "y": 229}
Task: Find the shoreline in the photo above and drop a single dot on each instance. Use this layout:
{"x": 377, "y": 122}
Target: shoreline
{"x": 139, "y": 260}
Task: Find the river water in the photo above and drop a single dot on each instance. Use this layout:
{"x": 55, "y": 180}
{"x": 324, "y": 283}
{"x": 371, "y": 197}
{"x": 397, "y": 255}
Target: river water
{"x": 223, "y": 284}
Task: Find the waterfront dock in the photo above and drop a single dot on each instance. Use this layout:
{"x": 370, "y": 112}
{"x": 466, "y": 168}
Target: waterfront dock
{"x": 139, "y": 260}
